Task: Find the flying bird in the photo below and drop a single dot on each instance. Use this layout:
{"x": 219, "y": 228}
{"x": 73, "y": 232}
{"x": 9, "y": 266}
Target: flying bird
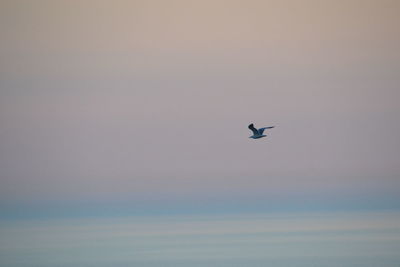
{"x": 258, "y": 133}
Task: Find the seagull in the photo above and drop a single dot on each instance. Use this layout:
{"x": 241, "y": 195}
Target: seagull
{"x": 258, "y": 133}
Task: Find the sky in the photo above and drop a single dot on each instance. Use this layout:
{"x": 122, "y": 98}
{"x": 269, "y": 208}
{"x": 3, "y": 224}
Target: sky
{"x": 136, "y": 106}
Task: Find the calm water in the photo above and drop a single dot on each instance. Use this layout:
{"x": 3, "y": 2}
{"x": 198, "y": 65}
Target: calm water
{"x": 312, "y": 239}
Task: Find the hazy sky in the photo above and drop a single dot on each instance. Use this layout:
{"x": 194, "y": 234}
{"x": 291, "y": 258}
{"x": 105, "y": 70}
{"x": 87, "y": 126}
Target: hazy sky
{"x": 147, "y": 103}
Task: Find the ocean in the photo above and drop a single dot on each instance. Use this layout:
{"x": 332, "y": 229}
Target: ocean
{"x": 323, "y": 239}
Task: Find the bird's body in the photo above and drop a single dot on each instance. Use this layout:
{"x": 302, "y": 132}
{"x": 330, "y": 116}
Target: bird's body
{"x": 258, "y": 136}
{"x": 258, "y": 133}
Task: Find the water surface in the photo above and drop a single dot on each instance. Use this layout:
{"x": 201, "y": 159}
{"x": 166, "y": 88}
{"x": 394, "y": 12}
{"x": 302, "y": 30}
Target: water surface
{"x": 290, "y": 239}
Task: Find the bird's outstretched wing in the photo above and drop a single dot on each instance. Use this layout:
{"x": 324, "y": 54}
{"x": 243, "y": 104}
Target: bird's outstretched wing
{"x": 253, "y": 129}
{"x": 261, "y": 130}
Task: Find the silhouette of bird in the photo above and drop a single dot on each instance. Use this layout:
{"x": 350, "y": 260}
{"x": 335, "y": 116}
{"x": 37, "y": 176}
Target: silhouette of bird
{"x": 258, "y": 133}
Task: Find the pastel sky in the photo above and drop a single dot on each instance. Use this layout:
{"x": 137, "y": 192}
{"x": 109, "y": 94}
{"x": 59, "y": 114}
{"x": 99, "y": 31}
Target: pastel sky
{"x": 146, "y": 104}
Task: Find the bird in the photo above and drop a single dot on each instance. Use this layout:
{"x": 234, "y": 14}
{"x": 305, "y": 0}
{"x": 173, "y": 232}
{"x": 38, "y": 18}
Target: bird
{"x": 258, "y": 133}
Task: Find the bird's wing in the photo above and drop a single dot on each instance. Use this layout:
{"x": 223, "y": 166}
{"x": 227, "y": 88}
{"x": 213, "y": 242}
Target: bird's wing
{"x": 261, "y": 130}
{"x": 254, "y": 130}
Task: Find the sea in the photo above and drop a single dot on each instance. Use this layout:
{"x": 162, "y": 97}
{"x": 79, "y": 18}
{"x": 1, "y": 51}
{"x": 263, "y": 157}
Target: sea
{"x": 291, "y": 239}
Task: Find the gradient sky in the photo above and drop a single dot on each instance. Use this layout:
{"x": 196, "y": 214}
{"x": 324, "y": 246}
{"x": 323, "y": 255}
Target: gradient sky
{"x": 146, "y": 103}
